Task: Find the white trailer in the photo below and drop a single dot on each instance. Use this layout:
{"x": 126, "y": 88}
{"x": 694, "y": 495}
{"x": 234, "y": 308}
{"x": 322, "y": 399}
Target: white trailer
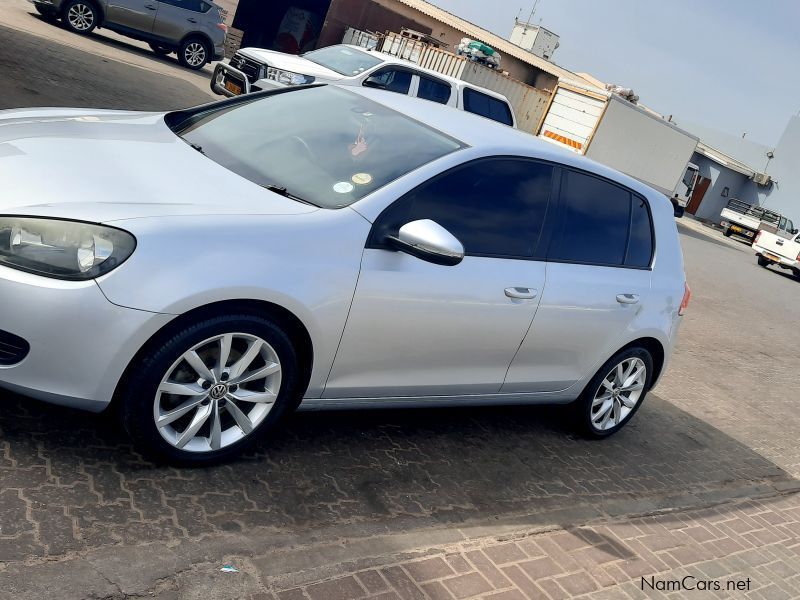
{"x": 611, "y": 130}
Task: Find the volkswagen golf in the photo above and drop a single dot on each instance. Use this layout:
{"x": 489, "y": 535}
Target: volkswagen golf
{"x": 323, "y": 247}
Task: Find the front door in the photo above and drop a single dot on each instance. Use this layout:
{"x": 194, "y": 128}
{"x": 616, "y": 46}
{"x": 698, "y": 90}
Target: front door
{"x": 420, "y": 329}
{"x": 134, "y": 14}
{"x": 698, "y": 194}
{"x": 598, "y": 278}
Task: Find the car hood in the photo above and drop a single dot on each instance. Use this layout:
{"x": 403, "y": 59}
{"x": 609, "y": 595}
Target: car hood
{"x": 103, "y": 166}
{"x": 293, "y": 63}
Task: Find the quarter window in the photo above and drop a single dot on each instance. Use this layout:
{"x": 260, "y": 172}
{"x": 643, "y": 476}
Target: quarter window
{"x": 434, "y": 90}
{"x": 601, "y": 223}
{"x": 487, "y": 106}
{"x": 494, "y": 207}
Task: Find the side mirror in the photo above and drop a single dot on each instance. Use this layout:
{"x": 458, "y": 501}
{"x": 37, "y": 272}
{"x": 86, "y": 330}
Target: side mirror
{"x": 793, "y": 231}
{"x": 429, "y": 241}
{"x": 374, "y": 82}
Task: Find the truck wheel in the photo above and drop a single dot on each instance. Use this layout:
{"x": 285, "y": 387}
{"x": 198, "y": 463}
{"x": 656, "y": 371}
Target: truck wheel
{"x": 762, "y": 262}
{"x": 80, "y": 16}
{"x": 614, "y": 394}
{"x": 726, "y": 232}
{"x": 193, "y": 53}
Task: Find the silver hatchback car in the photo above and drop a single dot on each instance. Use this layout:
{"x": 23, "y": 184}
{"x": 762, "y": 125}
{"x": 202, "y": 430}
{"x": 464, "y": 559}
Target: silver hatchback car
{"x": 192, "y": 28}
{"x": 326, "y": 247}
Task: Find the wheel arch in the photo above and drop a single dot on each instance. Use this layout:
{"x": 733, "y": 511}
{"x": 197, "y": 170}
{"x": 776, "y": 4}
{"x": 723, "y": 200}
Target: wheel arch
{"x": 204, "y": 37}
{"x": 656, "y": 350}
{"x": 294, "y": 327}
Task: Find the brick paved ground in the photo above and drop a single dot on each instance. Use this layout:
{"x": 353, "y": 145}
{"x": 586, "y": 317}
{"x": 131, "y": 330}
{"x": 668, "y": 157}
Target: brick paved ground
{"x": 749, "y": 549}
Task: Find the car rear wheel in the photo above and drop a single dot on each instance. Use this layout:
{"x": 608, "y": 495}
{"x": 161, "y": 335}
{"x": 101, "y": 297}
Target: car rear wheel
{"x": 211, "y": 390}
{"x": 615, "y": 393}
{"x": 762, "y": 262}
{"x": 160, "y": 50}
{"x": 193, "y": 53}
{"x": 80, "y": 16}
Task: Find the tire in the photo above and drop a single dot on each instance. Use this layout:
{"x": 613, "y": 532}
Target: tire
{"x": 194, "y": 53}
{"x": 80, "y": 16}
{"x": 762, "y": 262}
{"x": 159, "y": 50}
{"x": 588, "y": 413}
{"x": 726, "y": 232}
{"x": 201, "y": 396}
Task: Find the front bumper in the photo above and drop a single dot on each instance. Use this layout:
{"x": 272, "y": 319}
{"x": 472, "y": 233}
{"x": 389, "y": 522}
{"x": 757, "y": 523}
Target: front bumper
{"x": 224, "y": 73}
{"x": 80, "y": 343}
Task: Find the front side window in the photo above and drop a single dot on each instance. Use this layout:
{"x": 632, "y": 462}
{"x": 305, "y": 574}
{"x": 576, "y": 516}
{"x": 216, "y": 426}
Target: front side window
{"x": 601, "y": 224}
{"x": 345, "y": 61}
{"x": 487, "y": 106}
{"x": 495, "y": 207}
{"x": 391, "y": 80}
{"x": 325, "y": 145}
{"x": 434, "y": 90}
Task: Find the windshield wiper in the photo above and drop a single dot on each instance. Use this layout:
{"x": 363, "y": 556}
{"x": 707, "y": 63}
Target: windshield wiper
{"x": 197, "y": 147}
{"x": 282, "y": 191}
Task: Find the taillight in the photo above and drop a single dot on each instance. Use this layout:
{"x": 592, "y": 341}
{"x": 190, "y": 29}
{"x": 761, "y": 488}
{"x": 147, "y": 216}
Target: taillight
{"x": 223, "y": 27}
{"x": 687, "y": 295}
{"x": 758, "y": 235}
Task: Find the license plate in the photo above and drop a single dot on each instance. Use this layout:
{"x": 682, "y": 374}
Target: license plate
{"x": 772, "y": 257}
{"x": 736, "y": 229}
{"x": 233, "y": 88}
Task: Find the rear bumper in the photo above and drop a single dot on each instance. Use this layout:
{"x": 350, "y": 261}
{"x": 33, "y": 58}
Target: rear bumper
{"x": 738, "y": 229}
{"x": 786, "y": 263}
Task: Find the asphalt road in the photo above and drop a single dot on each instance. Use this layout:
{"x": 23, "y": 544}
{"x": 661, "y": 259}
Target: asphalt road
{"x": 722, "y": 424}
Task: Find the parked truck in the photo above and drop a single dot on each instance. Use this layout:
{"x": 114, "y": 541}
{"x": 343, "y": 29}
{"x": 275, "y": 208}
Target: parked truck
{"x": 779, "y": 248}
{"x": 616, "y": 132}
{"x": 746, "y": 220}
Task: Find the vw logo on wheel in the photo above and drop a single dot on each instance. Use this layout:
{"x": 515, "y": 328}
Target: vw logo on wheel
{"x": 218, "y": 391}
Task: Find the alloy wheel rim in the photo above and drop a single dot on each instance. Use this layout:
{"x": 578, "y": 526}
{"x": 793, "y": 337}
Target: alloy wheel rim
{"x": 80, "y": 16}
{"x": 195, "y": 54}
{"x": 217, "y": 393}
{"x": 618, "y": 393}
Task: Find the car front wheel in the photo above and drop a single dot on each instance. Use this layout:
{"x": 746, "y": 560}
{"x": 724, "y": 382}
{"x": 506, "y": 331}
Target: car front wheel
{"x": 193, "y": 53}
{"x": 615, "y": 393}
{"x": 80, "y": 16}
{"x": 210, "y": 390}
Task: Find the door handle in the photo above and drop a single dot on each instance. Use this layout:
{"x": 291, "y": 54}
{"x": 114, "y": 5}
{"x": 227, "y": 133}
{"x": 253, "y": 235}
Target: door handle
{"x": 191, "y": 20}
{"x": 521, "y": 293}
{"x": 627, "y": 298}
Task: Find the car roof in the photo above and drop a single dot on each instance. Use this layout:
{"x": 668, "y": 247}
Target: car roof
{"x": 496, "y": 138}
{"x": 388, "y": 59}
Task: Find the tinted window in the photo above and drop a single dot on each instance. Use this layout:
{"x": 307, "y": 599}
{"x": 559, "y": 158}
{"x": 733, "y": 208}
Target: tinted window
{"x": 194, "y": 5}
{"x": 594, "y": 223}
{"x": 431, "y": 89}
{"x": 391, "y": 80}
{"x": 494, "y": 207}
{"x": 640, "y": 245}
{"x": 486, "y": 106}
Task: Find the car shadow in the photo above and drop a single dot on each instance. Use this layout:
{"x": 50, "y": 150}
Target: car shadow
{"x": 397, "y": 469}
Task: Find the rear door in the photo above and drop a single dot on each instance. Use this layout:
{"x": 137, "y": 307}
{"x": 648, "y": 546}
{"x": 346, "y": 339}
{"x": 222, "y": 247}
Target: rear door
{"x": 134, "y": 14}
{"x": 176, "y": 18}
{"x": 598, "y": 278}
{"x": 571, "y": 119}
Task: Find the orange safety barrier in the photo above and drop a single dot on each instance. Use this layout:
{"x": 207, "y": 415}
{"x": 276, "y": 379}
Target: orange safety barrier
{"x": 564, "y": 140}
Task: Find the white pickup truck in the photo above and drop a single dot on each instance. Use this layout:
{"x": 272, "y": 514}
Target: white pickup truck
{"x": 746, "y": 220}
{"x": 779, "y": 249}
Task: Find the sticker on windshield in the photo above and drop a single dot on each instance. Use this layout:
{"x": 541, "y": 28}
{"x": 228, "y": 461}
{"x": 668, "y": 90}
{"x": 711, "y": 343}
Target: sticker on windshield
{"x": 361, "y": 178}
{"x": 343, "y": 187}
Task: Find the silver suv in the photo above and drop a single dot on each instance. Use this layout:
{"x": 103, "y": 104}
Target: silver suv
{"x": 192, "y": 28}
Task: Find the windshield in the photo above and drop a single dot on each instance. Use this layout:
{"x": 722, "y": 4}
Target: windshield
{"x": 345, "y": 61}
{"x": 324, "y": 145}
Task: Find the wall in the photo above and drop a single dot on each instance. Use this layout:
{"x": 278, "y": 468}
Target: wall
{"x": 739, "y": 186}
{"x": 388, "y": 15}
{"x": 785, "y": 170}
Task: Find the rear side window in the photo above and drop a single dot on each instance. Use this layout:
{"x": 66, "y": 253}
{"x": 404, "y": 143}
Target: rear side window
{"x": 193, "y": 5}
{"x": 434, "y": 90}
{"x": 601, "y": 223}
{"x": 495, "y": 207}
{"x": 487, "y": 106}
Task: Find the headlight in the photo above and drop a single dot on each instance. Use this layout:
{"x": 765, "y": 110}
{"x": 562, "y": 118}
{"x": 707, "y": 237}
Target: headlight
{"x": 62, "y": 249}
{"x": 287, "y": 77}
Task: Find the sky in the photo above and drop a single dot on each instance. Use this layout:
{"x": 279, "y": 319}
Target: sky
{"x": 729, "y": 65}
